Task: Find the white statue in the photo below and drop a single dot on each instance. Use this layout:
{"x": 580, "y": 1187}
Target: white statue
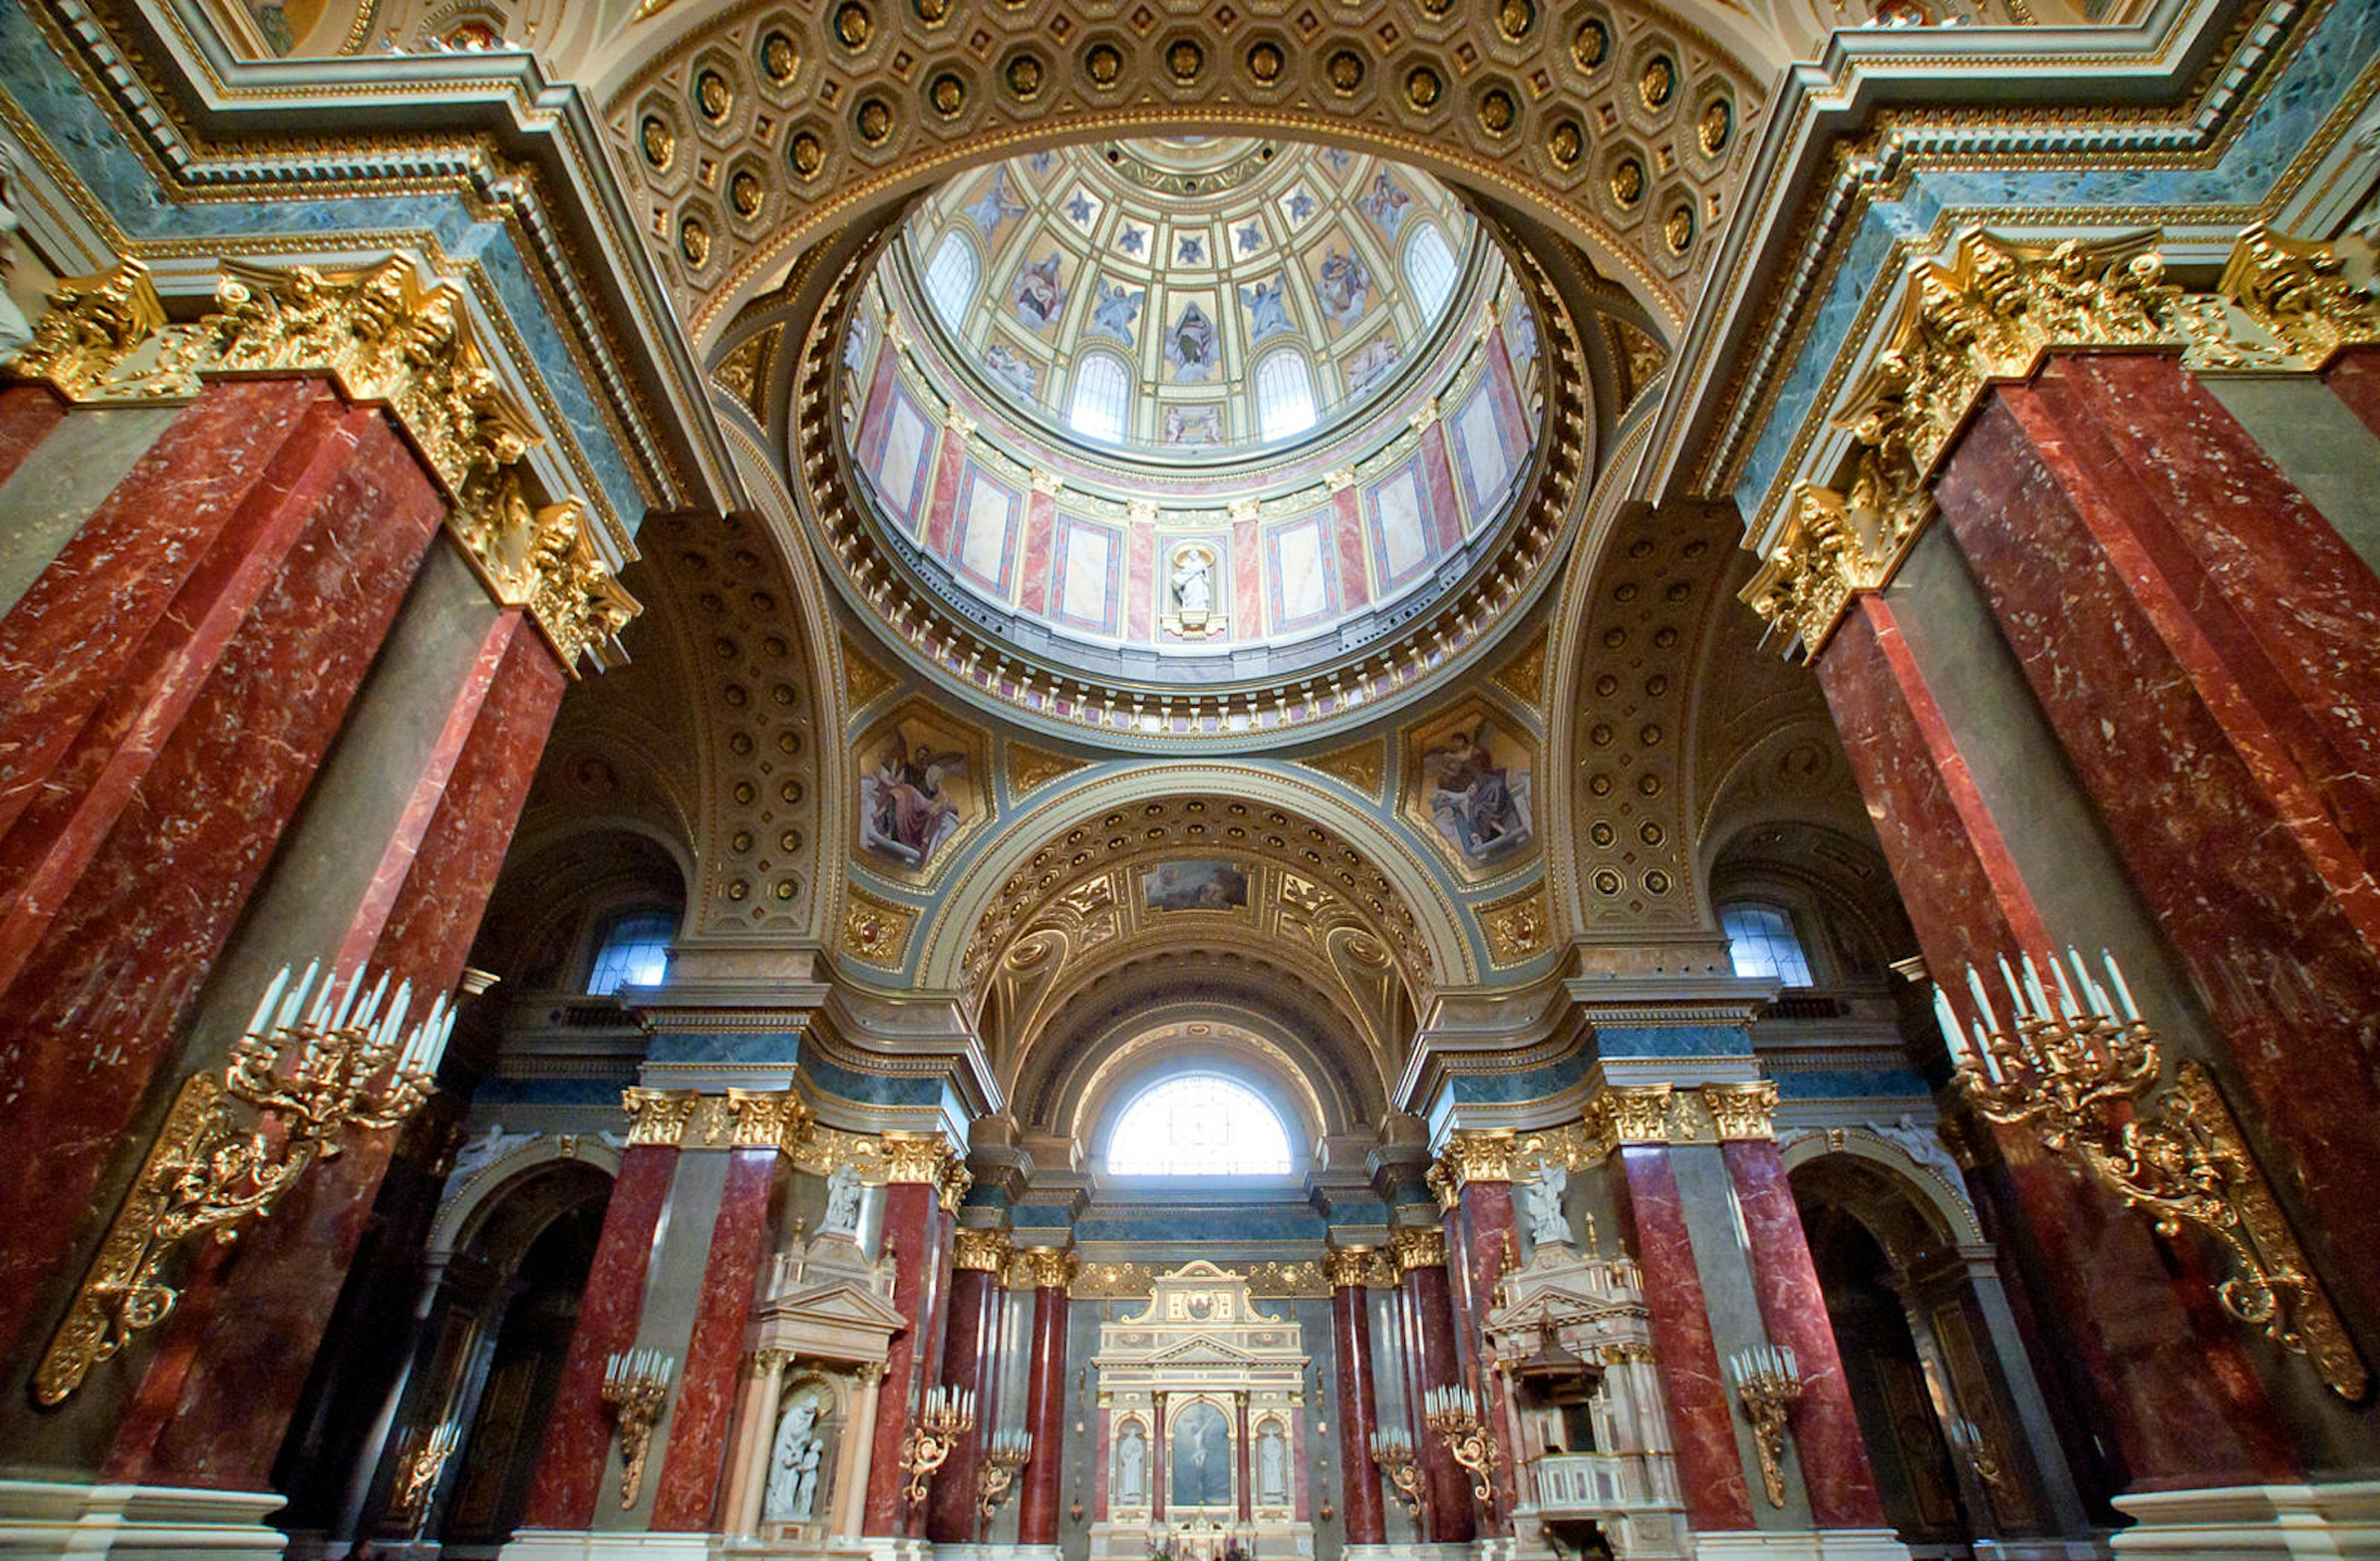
{"x": 1132, "y": 1468}
{"x": 784, "y": 1502}
{"x": 806, "y": 1486}
{"x": 1194, "y": 581}
{"x": 842, "y": 1202}
{"x": 1272, "y": 1468}
{"x": 1542, "y": 1200}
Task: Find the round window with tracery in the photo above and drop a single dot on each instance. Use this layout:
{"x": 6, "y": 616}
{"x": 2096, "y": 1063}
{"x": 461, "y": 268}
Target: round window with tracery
{"x": 1198, "y": 1125}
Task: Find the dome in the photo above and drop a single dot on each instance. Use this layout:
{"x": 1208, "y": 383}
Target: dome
{"x": 1189, "y": 414}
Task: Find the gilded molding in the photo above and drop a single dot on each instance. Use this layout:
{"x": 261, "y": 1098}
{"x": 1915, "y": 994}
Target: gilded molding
{"x": 1993, "y": 313}
{"x": 1043, "y": 1268}
{"x": 382, "y": 336}
{"x": 913, "y": 1158}
{"x": 982, "y": 1251}
{"x": 1471, "y": 1156}
{"x": 1268, "y": 1280}
{"x": 657, "y": 1117}
{"x": 776, "y": 1119}
{"x": 1418, "y": 1249}
{"x": 1741, "y": 1112}
{"x": 1631, "y": 1114}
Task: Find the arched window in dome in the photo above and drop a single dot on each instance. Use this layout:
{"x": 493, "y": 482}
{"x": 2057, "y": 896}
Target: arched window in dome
{"x": 1102, "y": 396}
{"x": 949, "y": 278}
{"x": 1761, "y": 943}
{"x": 1284, "y": 395}
{"x": 1198, "y": 1125}
{"x": 633, "y": 951}
{"x": 1430, "y": 268}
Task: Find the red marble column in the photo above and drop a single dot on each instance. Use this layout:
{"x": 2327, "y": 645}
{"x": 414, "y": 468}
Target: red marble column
{"x": 694, "y": 1467}
{"x": 1702, "y": 1417}
{"x": 1486, "y": 1248}
{"x": 578, "y": 1429}
{"x": 910, "y": 1221}
{"x": 2354, "y": 378}
{"x": 1157, "y": 1455}
{"x": 1793, "y": 1312}
{"x": 2170, "y": 1386}
{"x": 968, "y": 1355}
{"x": 1430, "y": 1303}
{"x": 214, "y": 1406}
{"x": 2200, "y": 638}
{"x": 1045, "y": 1411}
{"x": 171, "y": 683}
{"x": 1359, "y": 1414}
{"x": 28, "y": 412}
{"x": 1248, "y": 1503}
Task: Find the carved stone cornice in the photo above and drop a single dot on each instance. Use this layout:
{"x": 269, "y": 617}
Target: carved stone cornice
{"x": 1742, "y": 1112}
{"x": 981, "y": 1251}
{"x": 1043, "y": 1268}
{"x": 1418, "y": 1249}
{"x": 1993, "y": 313}
{"x": 382, "y": 336}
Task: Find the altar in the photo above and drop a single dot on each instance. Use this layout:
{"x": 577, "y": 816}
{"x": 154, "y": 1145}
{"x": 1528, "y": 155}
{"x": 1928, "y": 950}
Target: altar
{"x": 1201, "y": 1427}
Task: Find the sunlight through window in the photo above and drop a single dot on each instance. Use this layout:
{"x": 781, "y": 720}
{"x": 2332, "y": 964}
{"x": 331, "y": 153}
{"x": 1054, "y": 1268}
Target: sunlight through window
{"x": 1199, "y": 1125}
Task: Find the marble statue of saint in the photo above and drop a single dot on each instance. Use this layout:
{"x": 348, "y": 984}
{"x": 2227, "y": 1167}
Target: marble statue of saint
{"x": 1194, "y": 581}
{"x": 1541, "y": 1200}
{"x": 842, "y": 1202}
{"x": 805, "y": 1482}
{"x": 1272, "y": 1468}
{"x": 1132, "y": 1468}
{"x": 784, "y": 1495}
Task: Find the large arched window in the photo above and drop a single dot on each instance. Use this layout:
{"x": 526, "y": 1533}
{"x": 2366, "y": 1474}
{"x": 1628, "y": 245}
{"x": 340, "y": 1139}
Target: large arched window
{"x": 633, "y": 951}
{"x": 1198, "y": 1125}
{"x": 950, "y": 279}
{"x": 1761, "y": 942}
{"x": 1429, "y": 269}
{"x": 1284, "y": 396}
{"x": 1102, "y": 392}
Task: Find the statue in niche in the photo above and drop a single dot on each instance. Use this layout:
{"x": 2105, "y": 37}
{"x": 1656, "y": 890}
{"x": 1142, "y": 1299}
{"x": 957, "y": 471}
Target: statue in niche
{"x": 842, "y": 1202}
{"x": 787, "y": 1500}
{"x": 1272, "y": 1466}
{"x": 1131, "y": 1467}
{"x": 1194, "y": 582}
{"x": 1202, "y": 1458}
{"x": 1541, "y": 1199}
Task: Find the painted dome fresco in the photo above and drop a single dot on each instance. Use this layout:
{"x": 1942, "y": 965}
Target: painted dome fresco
{"x": 1186, "y": 413}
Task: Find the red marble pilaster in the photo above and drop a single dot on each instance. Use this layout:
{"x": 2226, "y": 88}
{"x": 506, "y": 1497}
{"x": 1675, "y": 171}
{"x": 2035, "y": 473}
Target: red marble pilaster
{"x": 2354, "y": 378}
{"x": 694, "y": 1467}
{"x": 1045, "y": 1416}
{"x": 909, "y": 1220}
{"x": 1430, "y": 1301}
{"x": 1486, "y": 1249}
{"x": 1702, "y": 1417}
{"x": 1158, "y": 1457}
{"x": 2169, "y": 1387}
{"x": 1359, "y": 1416}
{"x": 578, "y": 1427}
{"x": 2199, "y": 637}
{"x": 967, "y": 1355}
{"x": 1347, "y": 536}
{"x": 28, "y": 414}
{"x": 217, "y": 1414}
{"x": 1240, "y": 1407}
{"x": 1793, "y": 1312}
{"x": 159, "y": 809}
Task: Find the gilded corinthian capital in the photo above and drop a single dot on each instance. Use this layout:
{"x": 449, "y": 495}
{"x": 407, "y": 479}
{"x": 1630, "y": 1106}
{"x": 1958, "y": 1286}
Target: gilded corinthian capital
{"x": 1418, "y": 1249}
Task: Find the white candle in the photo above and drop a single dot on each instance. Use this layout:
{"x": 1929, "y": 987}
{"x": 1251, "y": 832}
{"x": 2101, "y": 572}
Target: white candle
{"x": 2016, "y": 992}
{"x": 1949, "y": 1022}
{"x": 295, "y": 1001}
{"x": 1983, "y": 1001}
{"x": 1983, "y": 1050}
{"x": 2033, "y": 983}
{"x": 2123, "y": 993}
{"x": 256, "y": 1026}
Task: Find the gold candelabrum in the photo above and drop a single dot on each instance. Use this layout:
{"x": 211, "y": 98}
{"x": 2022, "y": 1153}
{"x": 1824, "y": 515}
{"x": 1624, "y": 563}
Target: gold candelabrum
{"x": 635, "y": 1387}
{"x": 2086, "y": 1083}
{"x": 310, "y": 1071}
{"x": 997, "y": 1476}
{"x": 1392, "y": 1450}
{"x": 1453, "y": 1413}
{"x": 418, "y": 1472}
{"x": 1769, "y": 1384}
{"x": 1968, "y": 1440}
{"x": 945, "y": 1415}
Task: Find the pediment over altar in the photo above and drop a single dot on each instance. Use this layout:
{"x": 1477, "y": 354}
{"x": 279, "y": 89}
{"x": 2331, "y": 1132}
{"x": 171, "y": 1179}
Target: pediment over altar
{"x": 1201, "y": 1332}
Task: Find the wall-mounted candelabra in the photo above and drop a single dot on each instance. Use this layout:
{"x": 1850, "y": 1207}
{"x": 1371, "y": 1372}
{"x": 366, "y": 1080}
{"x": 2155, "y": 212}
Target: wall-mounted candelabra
{"x": 943, "y": 1416}
{"x": 311, "y": 1071}
{"x": 1007, "y": 1453}
{"x": 418, "y": 1472}
{"x": 1453, "y": 1413}
{"x": 635, "y": 1387}
{"x": 1967, "y": 1440}
{"x": 2078, "y": 1067}
{"x": 1392, "y": 1451}
{"x": 1769, "y": 1384}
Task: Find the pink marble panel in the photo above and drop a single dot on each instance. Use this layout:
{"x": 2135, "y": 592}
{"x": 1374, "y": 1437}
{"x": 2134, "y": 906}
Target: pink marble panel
{"x": 694, "y": 1464}
{"x": 578, "y": 1428}
{"x": 1489, "y": 1250}
{"x": 1040, "y": 533}
{"x": 1247, "y": 581}
{"x": 1702, "y": 1417}
{"x": 943, "y": 496}
{"x": 28, "y": 412}
{"x": 214, "y": 754}
{"x": 2172, "y": 1388}
{"x": 2114, "y": 531}
{"x": 1794, "y": 1311}
{"x": 1437, "y": 467}
{"x": 1140, "y": 580}
{"x": 1354, "y": 573}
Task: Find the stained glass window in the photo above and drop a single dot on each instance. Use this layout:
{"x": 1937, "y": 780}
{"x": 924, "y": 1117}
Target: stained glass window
{"x": 1198, "y": 1125}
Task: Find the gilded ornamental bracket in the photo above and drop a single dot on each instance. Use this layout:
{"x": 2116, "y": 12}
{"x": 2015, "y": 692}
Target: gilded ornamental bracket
{"x": 382, "y": 337}
{"x": 1992, "y": 314}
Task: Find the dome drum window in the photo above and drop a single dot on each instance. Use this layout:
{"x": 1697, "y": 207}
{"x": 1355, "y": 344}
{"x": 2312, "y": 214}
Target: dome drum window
{"x": 1198, "y": 1125}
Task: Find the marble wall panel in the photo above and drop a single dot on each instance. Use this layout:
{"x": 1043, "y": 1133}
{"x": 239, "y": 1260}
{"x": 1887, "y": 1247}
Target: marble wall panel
{"x": 692, "y": 1471}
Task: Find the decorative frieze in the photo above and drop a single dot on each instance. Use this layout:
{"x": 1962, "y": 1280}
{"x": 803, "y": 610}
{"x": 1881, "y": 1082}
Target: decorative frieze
{"x": 382, "y": 336}
{"x": 1993, "y": 313}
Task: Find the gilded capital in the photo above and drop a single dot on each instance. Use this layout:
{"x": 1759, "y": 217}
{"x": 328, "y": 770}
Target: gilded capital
{"x": 1471, "y": 1156}
{"x": 658, "y": 1115}
{"x": 2297, "y": 291}
{"x": 769, "y": 1362}
{"x": 768, "y": 1120}
{"x": 915, "y": 1158}
{"x": 982, "y": 1251}
{"x": 1348, "y": 1267}
{"x": 1418, "y": 1249}
{"x": 1743, "y": 1111}
{"x": 952, "y": 1190}
{"x": 1625, "y": 1114}
{"x": 1045, "y": 1268}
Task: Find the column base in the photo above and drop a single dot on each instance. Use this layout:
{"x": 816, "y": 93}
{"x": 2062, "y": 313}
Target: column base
{"x": 1805, "y": 1544}
{"x": 2243, "y": 1521}
{"x": 136, "y": 1522}
{"x": 581, "y": 1544}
